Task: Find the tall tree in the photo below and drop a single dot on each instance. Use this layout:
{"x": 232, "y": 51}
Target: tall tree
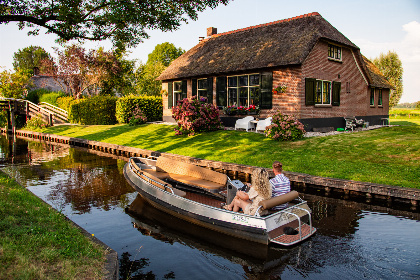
{"x": 79, "y": 72}
{"x": 164, "y": 53}
{"x": 13, "y": 85}
{"x": 119, "y": 20}
{"x": 157, "y": 61}
{"x": 29, "y": 57}
{"x": 391, "y": 66}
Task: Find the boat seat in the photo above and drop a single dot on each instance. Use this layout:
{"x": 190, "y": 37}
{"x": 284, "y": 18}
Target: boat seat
{"x": 278, "y": 200}
{"x": 209, "y": 185}
{"x": 158, "y": 174}
{"x": 189, "y": 174}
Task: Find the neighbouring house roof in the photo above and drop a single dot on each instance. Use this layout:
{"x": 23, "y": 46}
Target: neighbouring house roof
{"x": 279, "y": 43}
{"x": 375, "y": 76}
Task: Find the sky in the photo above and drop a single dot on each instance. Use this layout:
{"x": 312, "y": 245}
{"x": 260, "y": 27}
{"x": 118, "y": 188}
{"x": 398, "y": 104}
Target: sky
{"x": 375, "y": 26}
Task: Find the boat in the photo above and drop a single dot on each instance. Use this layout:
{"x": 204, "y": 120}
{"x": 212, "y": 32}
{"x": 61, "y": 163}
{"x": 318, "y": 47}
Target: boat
{"x": 196, "y": 194}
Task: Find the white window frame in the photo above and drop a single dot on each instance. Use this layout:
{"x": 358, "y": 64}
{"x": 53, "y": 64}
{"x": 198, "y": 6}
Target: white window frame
{"x": 238, "y": 87}
{"x": 201, "y": 89}
{"x": 322, "y": 92}
{"x": 337, "y": 52}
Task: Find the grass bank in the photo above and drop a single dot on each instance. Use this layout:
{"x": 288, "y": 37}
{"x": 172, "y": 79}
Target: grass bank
{"x": 37, "y": 242}
{"x": 389, "y": 155}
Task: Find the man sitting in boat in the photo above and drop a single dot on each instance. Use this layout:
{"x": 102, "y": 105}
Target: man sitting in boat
{"x": 280, "y": 184}
{"x": 259, "y": 190}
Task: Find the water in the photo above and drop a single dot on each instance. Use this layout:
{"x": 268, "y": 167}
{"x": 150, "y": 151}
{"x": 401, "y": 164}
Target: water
{"x": 354, "y": 240}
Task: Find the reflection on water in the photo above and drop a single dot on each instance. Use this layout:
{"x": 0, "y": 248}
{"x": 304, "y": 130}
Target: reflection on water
{"x": 354, "y": 240}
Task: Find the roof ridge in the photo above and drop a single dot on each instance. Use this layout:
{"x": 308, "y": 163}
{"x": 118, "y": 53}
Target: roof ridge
{"x": 264, "y": 24}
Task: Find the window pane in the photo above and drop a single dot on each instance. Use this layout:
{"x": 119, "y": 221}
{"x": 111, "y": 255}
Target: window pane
{"x": 330, "y": 51}
{"x": 338, "y": 53}
{"x": 177, "y": 86}
{"x": 326, "y": 92}
{"x": 372, "y": 96}
{"x": 318, "y": 93}
{"x": 243, "y": 81}
{"x": 243, "y": 97}
{"x": 232, "y": 81}
{"x": 232, "y": 96}
{"x": 202, "y": 84}
{"x": 254, "y": 96}
{"x": 254, "y": 80}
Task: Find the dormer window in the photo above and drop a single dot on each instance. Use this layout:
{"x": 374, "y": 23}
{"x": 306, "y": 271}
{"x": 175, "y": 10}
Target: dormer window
{"x": 334, "y": 52}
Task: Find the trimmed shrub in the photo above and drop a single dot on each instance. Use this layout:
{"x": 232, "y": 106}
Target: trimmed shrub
{"x": 35, "y": 94}
{"x": 151, "y": 106}
{"x": 64, "y": 102}
{"x": 196, "y": 116}
{"x": 51, "y": 97}
{"x": 98, "y": 110}
{"x": 284, "y": 127}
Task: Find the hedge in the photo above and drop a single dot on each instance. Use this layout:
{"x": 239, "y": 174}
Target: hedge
{"x": 93, "y": 111}
{"x": 150, "y": 105}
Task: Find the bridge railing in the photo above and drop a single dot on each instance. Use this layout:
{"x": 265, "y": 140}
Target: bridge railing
{"x": 49, "y": 113}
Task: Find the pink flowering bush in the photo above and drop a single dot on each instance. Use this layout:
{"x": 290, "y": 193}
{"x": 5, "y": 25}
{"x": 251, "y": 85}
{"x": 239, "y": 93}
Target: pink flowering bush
{"x": 284, "y": 127}
{"x": 195, "y": 116}
{"x": 138, "y": 117}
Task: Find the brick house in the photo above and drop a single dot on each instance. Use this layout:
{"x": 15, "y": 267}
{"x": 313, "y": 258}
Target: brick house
{"x": 323, "y": 74}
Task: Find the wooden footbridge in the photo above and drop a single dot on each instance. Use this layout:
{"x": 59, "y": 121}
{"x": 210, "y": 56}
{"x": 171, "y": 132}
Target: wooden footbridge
{"x": 49, "y": 113}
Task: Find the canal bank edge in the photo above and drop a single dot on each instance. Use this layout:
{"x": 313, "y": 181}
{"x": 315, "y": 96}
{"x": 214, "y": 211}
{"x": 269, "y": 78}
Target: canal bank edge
{"x": 370, "y": 190}
{"x": 111, "y": 266}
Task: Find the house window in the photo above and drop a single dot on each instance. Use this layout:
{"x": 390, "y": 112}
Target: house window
{"x": 372, "y": 97}
{"x": 323, "y": 92}
{"x": 177, "y": 92}
{"x": 202, "y": 86}
{"x": 243, "y": 90}
{"x": 334, "y": 52}
{"x": 380, "y": 97}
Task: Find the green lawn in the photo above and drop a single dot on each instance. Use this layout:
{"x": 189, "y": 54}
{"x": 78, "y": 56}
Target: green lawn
{"x": 37, "y": 242}
{"x": 389, "y": 155}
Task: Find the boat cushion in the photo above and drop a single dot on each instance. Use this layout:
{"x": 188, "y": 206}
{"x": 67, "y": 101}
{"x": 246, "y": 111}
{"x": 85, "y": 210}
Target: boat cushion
{"x": 278, "y": 200}
{"x": 148, "y": 174}
{"x": 191, "y": 174}
{"x": 160, "y": 175}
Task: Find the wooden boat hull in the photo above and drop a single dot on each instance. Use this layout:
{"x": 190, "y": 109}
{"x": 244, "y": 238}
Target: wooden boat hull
{"x": 261, "y": 230}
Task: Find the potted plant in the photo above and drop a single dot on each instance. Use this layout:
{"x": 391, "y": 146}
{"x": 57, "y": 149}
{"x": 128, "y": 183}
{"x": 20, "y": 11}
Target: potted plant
{"x": 242, "y": 110}
{"x": 253, "y": 110}
{"x": 230, "y": 110}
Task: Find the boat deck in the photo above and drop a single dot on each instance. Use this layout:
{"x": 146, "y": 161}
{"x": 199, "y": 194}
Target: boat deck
{"x": 290, "y": 239}
{"x": 200, "y": 198}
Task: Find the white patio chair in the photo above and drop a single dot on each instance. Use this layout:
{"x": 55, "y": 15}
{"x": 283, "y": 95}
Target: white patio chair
{"x": 245, "y": 123}
{"x": 262, "y": 124}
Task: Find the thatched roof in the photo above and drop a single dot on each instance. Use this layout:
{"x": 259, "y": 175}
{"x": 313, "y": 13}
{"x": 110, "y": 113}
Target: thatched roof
{"x": 279, "y": 43}
{"x": 375, "y": 76}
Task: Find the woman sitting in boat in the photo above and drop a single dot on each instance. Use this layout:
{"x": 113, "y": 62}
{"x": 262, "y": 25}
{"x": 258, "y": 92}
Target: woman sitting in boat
{"x": 260, "y": 190}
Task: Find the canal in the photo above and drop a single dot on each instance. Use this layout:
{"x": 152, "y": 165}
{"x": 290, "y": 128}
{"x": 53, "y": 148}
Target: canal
{"x": 355, "y": 240}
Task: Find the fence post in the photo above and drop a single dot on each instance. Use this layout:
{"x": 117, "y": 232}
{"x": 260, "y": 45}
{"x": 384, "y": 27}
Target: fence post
{"x": 50, "y": 119}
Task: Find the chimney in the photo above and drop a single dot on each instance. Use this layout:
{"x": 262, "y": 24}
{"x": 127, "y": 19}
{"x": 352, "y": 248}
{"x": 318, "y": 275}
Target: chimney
{"x": 200, "y": 39}
{"x": 211, "y": 31}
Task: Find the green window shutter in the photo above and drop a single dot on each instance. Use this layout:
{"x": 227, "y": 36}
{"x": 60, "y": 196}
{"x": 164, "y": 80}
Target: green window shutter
{"x": 194, "y": 87}
{"x": 221, "y": 91}
{"x": 184, "y": 89}
{"x": 336, "y": 94}
{"x": 170, "y": 95}
{"x": 210, "y": 90}
{"x": 266, "y": 90}
{"x": 310, "y": 91}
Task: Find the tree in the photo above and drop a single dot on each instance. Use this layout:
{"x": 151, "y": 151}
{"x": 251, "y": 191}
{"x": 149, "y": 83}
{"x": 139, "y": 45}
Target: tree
{"x": 78, "y": 71}
{"x": 13, "y": 85}
{"x": 29, "y": 57}
{"x": 157, "y": 61}
{"x": 146, "y": 75}
{"x": 120, "y": 72}
{"x": 164, "y": 53}
{"x": 391, "y": 66}
{"x": 418, "y": 105}
{"x": 119, "y": 20}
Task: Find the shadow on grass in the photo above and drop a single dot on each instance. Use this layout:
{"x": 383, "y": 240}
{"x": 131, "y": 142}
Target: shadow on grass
{"x": 398, "y": 122}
